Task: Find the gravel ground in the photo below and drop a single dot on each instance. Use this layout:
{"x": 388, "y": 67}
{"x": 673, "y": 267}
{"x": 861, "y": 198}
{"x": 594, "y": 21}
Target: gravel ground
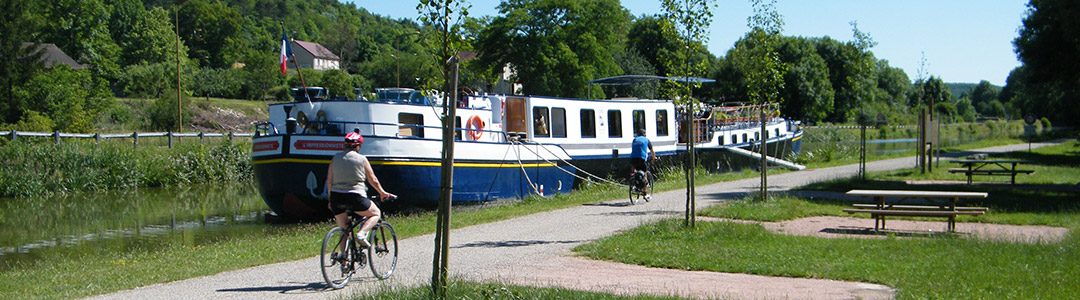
{"x": 535, "y": 250}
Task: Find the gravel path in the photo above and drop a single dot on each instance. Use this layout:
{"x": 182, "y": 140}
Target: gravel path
{"x": 535, "y": 250}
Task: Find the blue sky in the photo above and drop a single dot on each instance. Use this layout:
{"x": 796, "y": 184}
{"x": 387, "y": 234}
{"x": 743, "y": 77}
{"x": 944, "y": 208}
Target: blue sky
{"x": 963, "y": 40}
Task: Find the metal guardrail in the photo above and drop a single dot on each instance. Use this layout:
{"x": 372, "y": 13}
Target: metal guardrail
{"x": 134, "y": 136}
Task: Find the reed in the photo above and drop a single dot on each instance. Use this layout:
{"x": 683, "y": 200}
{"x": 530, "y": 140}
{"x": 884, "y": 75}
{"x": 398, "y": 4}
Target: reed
{"x": 32, "y": 169}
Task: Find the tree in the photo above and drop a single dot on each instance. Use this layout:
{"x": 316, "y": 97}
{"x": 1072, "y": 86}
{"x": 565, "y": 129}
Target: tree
{"x": 70, "y": 98}
{"x": 807, "y": 93}
{"x": 555, "y": 46}
{"x": 80, "y": 28}
{"x": 207, "y": 28}
{"x": 339, "y": 83}
{"x": 20, "y": 63}
{"x": 1047, "y": 47}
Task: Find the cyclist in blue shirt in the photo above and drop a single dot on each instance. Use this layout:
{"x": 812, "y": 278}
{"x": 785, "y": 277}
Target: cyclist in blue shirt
{"x": 639, "y": 155}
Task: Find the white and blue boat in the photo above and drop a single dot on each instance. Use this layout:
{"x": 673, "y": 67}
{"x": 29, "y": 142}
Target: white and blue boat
{"x": 505, "y": 147}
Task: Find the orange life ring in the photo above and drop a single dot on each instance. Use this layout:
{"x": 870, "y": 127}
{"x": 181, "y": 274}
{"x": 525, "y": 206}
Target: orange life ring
{"x": 475, "y": 127}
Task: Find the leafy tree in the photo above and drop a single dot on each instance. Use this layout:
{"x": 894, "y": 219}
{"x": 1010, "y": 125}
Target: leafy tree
{"x": 206, "y": 28}
{"x": 633, "y": 63}
{"x": 556, "y": 46}
{"x": 807, "y": 91}
{"x": 759, "y": 59}
{"x": 70, "y": 98}
{"x": 1047, "y": 47}
{"x": 339, "y": 83}
{"x": 80, "y": 29}
{"x": 19, "y": 63}
{"x": 144, "y": 36}
{"x": 218, "y": 83}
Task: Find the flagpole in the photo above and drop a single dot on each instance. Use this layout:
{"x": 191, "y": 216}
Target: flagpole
{"x": 297, "y": 66}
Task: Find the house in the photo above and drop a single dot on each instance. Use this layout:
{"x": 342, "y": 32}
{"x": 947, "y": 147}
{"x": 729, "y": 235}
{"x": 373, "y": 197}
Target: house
{"x": 314, "y": 56}
{"x": 51, "y": 55}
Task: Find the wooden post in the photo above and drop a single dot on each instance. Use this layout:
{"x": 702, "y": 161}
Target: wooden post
{"x": 200, "y": 136}
{"x": 230, "y": 136}
{"x": 56, "y": 136}
{"x": 97, "y": 139}
{"x": 14, "y": 135}
{"x": 168, "y": 135}
{"x": 135, "y": 139}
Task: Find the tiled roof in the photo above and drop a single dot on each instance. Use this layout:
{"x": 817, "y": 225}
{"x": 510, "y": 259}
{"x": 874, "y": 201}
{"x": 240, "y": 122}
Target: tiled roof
{"x": 52, "y": 55}
{"x": 317, "y": 50}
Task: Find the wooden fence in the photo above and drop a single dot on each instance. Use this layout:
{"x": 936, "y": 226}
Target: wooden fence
{"x": 134, "y": 136}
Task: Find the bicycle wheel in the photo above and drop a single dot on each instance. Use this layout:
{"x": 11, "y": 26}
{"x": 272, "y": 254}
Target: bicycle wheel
{"x": 337, "y": 266}
{"x": 633, "y": 190}
{"x": 382, "y": 256}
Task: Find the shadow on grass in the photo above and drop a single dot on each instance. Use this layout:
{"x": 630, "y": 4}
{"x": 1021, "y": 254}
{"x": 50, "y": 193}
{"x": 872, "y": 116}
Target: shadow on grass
{"x": 887, "y": 232}
{"x": 639, "y": 213}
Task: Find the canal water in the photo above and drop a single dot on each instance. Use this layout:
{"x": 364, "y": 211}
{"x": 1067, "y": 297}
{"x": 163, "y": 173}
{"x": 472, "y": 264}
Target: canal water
{"x": 32, "y": 227}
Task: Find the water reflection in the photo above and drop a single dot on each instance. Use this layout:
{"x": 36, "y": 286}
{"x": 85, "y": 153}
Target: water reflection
{"x": 29, "y": 225}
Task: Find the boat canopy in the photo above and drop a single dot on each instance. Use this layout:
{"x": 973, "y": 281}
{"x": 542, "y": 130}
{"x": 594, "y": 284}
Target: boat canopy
{"x": 636, "y": 79}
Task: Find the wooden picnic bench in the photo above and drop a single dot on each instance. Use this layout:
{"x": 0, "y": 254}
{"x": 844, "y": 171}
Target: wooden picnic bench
{"x": 989, "y": 167}
{"x": 879, "y": 210}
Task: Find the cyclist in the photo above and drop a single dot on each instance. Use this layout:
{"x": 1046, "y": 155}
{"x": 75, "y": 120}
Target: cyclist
{"x": 345, "y": 178}
{"x": 639, "y": 157}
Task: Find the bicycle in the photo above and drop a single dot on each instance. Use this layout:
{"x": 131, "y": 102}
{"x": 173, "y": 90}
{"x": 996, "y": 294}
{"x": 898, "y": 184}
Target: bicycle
{"x": 640, "y": 182}
{"x": 338, "y": 267}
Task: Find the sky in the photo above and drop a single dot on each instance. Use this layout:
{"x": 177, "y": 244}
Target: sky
{"x": 961, "y": 40}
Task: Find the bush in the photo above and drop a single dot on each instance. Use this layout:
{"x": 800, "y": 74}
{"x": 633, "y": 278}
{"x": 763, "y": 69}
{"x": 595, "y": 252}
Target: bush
{"x": 1045, "y": 123}
{"x": 35, "y": 121}
{"x": 163, "y": 112}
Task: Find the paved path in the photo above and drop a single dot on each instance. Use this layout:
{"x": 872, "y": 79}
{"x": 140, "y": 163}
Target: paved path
{"x": 535, "y": 250}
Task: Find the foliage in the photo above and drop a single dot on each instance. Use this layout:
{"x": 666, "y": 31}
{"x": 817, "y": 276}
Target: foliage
{"x": 339, "y": 84}
{"x": 759, "y": 59}
{"x": 41, "y": 169}
{"x": 555, "y": 47}
{"x": 71, "y": 98}
{"x": 222, "y": 83}
{"x": 163, "y": 113}
{"x": 1046, "y": 83}
{"x": 153, "y": 80}
{"x": 688, "y": 22}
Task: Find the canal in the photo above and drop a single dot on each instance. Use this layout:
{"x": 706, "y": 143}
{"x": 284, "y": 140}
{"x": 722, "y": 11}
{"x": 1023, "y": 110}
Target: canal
{"x": 34, "y": 228}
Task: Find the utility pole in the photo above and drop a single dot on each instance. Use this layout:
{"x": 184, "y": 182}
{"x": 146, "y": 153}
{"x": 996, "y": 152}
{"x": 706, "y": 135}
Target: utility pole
{"x": 179, "y": 106}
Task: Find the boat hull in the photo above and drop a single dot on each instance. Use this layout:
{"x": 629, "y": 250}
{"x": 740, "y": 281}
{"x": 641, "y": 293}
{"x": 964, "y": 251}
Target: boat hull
{"x": 292, "y": 186}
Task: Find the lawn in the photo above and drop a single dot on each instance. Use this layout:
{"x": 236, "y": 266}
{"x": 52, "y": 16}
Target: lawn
{"x": 472, "y": 290}
{"x": 937, "y": 267}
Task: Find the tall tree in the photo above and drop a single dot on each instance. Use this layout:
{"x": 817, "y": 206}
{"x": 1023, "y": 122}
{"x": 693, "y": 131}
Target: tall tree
{"x": 807, "y": 93}
{"x": 556, "y": 46}
{"x": 207, "y": 28}
{"x": 1047, "y": 47}
{"x": 20, "y": 63}
{"x": 80, "y": 28}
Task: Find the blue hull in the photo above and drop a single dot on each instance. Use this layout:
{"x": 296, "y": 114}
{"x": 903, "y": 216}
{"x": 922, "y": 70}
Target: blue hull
{"x": 291, "y": 186}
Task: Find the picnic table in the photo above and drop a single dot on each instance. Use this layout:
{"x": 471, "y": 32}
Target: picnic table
{"x": 881, "y": 208}
{"x": 989, "y": 167}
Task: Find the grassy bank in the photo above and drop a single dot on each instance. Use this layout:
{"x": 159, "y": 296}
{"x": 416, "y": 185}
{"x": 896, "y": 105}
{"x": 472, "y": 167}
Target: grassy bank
{"x": 37, "y": 168}
{"x": 471, "y": 290}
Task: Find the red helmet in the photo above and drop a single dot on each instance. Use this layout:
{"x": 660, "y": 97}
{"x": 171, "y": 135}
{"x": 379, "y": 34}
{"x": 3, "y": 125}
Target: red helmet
{"x": 353, "y": 139}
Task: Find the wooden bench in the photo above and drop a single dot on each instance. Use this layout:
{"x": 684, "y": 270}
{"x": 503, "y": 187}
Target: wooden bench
{"x": 878, "y": 214}
{"x": 922, "y": 207}
{"x": 879, "y": 210}
{"x": 992, "y": 172}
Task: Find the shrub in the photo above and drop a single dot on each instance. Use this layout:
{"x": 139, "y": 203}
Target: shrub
{"x": 163, "y": 112}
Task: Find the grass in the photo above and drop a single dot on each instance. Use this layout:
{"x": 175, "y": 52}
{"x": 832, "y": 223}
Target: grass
{"x": 64, "y": 273}
{"x": 937, "y": 267}
{"x": 472, "y": 290}
{"x": 948, "y": 268}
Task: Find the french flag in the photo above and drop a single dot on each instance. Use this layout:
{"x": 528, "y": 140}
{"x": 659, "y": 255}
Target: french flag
{"x": 286, "y": 51}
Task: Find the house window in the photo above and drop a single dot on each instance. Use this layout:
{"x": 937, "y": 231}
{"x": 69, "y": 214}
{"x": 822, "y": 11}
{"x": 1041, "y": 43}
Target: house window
{"x": 558, "y": 122}
{"x": 540, "y": 122}
{"x": 614, "y": 128}
{"x": 639, "y": 120}
{"x": 588, "y": 123}
{"x": 662, "y": 125}
{"x": 411, "y": 125}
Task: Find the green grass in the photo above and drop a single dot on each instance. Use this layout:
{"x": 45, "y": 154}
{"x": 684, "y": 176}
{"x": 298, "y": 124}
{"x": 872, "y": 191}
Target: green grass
{"x": 943, "y": 268}
{"x": 936, "y": 267}
{"x": 472, "y": 290}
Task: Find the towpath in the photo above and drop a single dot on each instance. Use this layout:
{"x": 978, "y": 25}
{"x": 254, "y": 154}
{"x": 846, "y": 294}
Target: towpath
{"x": 536, "y": 250}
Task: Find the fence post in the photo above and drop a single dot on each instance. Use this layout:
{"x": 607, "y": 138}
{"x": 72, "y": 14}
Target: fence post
{"x": 14, "y": 135}
{"x": 200, "y": 136}
{"x": 56, "y": 136}
{"x": 97, "y": 139}
{"x": 230, "y": 136}
{"x": 135, "y": 139}
{"x": 169, "y": 135}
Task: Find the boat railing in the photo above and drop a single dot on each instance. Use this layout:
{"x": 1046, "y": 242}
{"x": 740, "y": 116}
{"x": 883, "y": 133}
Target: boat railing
{"x": 380, "y": 129}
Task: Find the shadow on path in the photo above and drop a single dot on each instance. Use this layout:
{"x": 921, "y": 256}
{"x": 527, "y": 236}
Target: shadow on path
{"x": 504, "y": 244}
{"x": 296, "y": 288}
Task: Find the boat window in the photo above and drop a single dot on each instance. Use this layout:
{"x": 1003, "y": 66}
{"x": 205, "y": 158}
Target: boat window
{"x": 757, "y": 136}
{"x": 588, "y": 123}
{"x": 777, "y": 132}
{"x": 744, "y": 140}
{"x": 558, "y": 122}
{"x": 639, "y": 120}
{"x": 457, "y": 129}
{"x": 614, "y": 120}
{"x": 540, "y": 122}
{"x": 662, "y": 125}
{"x": 734, "y": 139}
{"x": 412, "y": 125}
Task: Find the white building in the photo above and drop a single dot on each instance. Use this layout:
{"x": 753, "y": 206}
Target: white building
{"x": 314, "y": 56}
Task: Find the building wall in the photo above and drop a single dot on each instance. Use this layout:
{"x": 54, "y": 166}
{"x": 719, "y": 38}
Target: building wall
{"x": 308, "y": 61}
